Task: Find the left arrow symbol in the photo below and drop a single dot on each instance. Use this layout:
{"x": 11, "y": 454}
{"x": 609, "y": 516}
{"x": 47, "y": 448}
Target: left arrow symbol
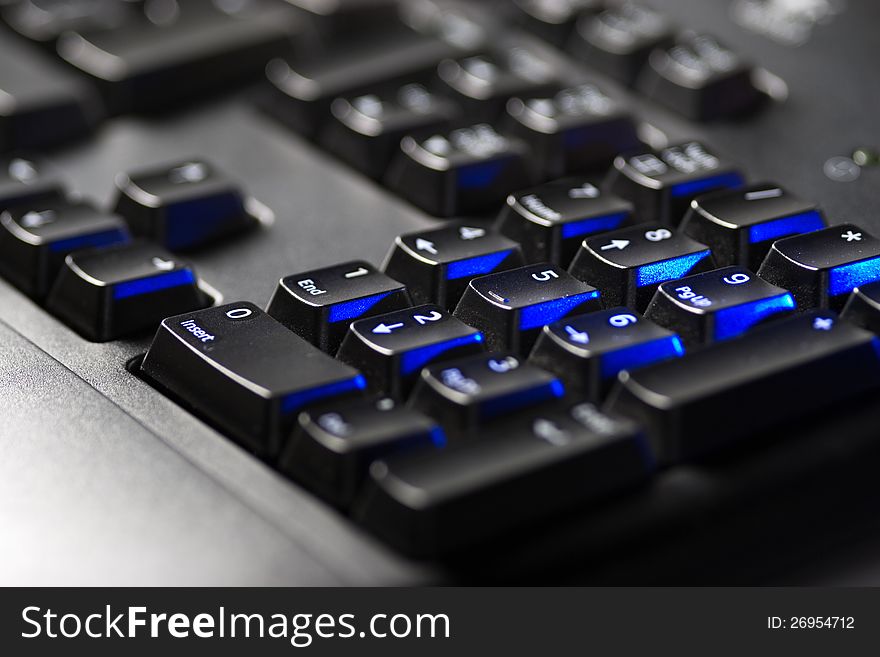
{"x": 387, "y": 328}
{"x": 425, "y": 245}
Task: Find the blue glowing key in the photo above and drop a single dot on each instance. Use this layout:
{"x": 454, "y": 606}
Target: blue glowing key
{"x": 120, "y": 290}
{"x": 717, "y": 305}
{"x": 319, "y": 305}
{"x": 821, "y": 268}
{"x": 588, "y": 351}
{"x": 667, "y": 270}
{"x": 391, "y": 349}
{"x": 511, "y": 307}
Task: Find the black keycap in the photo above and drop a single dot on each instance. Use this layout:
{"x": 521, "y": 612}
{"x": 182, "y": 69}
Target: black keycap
{"x": 437, "y": 265}
{"x": 863, "y": 307}
{"x": 717, "y": 305}
{"x": 699, "y": 78}
{"x": 182, "y": 206}
{"x": 46, "y": 20}
{"x": 245, "y": 372}
{"x": 333, "y": 21}
{"x": 575, "y": 130}
{"x": 429, "y": 504}
{"x": 332, "y": 447}
{"x": 627, "y": 265}
{"x": 466, "y": 394}
{"x": 733, "y": 390}
{"x": 302, "y": 87}
{"x": 24, "y": 179}
{"x": 365, "y": 131}
{"x": 511, "y": 307}
{"x": 36, "y": 236}
{"x": 619, "y": 40}
{"x": 179, "y": 51}
{"x": 551, "y": 221}
{"x": 482, "y": 84}
{"x": 553, "y": 20}
{"x": 41, "y": 104}
{"x": 319, "y": 305}
{"x": 588, "y": 351}
{"x": 822, "y": 268}
{"x": 740, "y": 225}
{"x": 113, "y": 292}
{"x": 662, "y": 184}
{"x": 392, "y": 349}
{"x": 464, "y": 171}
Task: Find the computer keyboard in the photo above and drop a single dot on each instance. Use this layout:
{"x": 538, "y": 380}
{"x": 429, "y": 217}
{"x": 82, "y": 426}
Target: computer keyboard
{"x": 471, "y": 290}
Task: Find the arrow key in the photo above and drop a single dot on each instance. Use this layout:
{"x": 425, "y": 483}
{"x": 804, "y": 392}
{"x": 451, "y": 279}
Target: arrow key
{"x": 627, "y": 265}
{"x": 320, "y": 305}
{"x": 391, "y": 349}
{"x": 437, "y": 265}
{"x": 588, "y": 351}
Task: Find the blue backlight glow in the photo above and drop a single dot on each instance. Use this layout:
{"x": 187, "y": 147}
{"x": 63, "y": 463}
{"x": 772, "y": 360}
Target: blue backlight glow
{"x": 694, "y": 187}
{"x": 296, "y": 400}
{"x": 414, "y": 360}
{"x": 521, "y": 399}
{"x": 793, "y": 225}
{"x": 668, "y": 270}
{"x": 153, "y": 284}
{"x": 351, "y": 309}
{"x": 483, "y": 264}
{"x": 536, "y": 316}
{"x": 105, "y": 238}
{"x": 592, "y": 225}
{"x": 478, "y": 176}
{"x": 640, "y": 355}
{"x": 842, "y": 280}
{"x": 735, "y": 321}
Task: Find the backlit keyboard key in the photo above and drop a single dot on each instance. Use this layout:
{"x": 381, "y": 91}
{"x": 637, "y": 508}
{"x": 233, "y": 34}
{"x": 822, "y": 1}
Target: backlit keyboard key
{"x": 823, "y": 267}
{"x": 553, "y": 20}
{"x": 717, "y": 305}
{"x": 37, "y": 235}
{"x": 863, "y": 307}
{"x": 113, "y": 292}
{"x": 182, "y": 206}
{"x": 365, "y": 130}
{"x": 511, "y": 307}
{"x": 392, "y": 349}
{"x": 627, "y": 265}
{"x": 574, "y": 130}
{"x": 465, "y": 171}
{"x": 740, "y": 225}
{"x": 467, "y": 393}
{"x": 662, "y": 184}
{"x": 699, "y": 78}
{"x": 531, "y": 466}
{"x": 437, "y": 265}
{"x": 734, "y": 390}
{"x": 23, "y": 179}
{"x": 588, "y": 351}
{"x": 332, "y": 446}
{"x": 619, "y": 40}
{"x": 245, "y": 372}
{"x": 551, "y": 221}
{"x": 482, "y": 84}
{"x": 319, "y": 305}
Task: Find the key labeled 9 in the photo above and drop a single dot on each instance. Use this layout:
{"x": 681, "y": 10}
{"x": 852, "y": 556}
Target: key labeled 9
{"x": 737, "y": 279}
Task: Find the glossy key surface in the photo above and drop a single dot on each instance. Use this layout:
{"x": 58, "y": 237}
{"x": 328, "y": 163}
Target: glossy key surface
{"x": 588, "y": 351}
{"x": 320, "y": 305}
{"x": 822, "y": 268}
{"x": 392, "y": 349}
{"x": 717, "y": 305}
{"x": 437, "y": 265}
{"x": 627, "y": 265}
{"x": 741, "y": 225}
{"x": 244, "y": 372}
{"x": 511, "y": 307}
